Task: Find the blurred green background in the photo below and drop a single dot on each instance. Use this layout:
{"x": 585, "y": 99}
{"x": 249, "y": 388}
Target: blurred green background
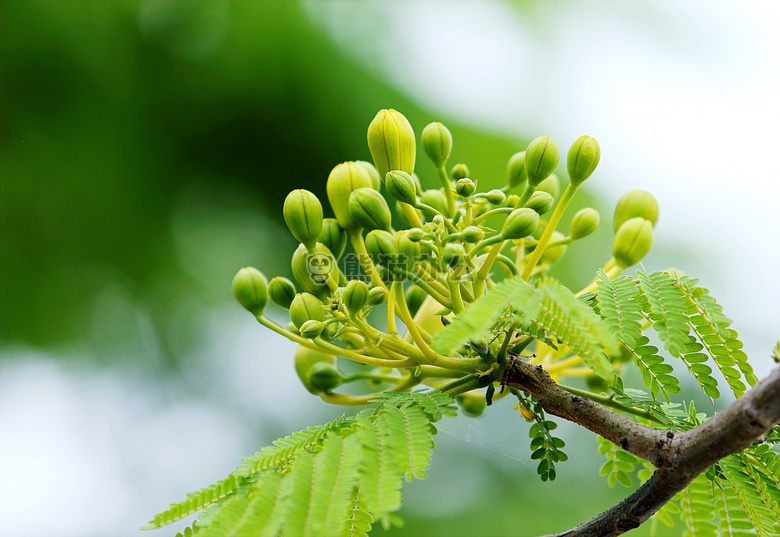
{"x": 147, "y": 148}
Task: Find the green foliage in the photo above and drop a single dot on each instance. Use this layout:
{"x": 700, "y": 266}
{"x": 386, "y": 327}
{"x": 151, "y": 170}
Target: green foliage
{"x": 546, "y": 448}
{"x": 335, "y": 479}
{"x": 620, "y": 464}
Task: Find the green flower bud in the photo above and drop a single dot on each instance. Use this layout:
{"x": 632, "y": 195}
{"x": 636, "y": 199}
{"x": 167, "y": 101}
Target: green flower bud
{"x": 541, "y": 202}
{"x": 520, "y": 223}
{"x": 436, "y": 199}
{"x": 305, "y": 359}
{"x": 355, "y": 296}
{"x": 459, "y": 171}
{"x": 583, "y": 158}
{"x": 376, "y": 181}
{"x": 551, "y": 185}
{"x": 306, "y": 307}
{"x": 472, "y": 234}
{"x": 251, "y": 289}
{"x": 391, "y": 142}
{"x": 584, "y": 222}
{"x": 376, "y": 296}
{"x": 472, "y": 405}
{"x": 408, "y": 253}
{"x": 515, "y": 170}
{"x": 632, "y": 241}
{"x": 400, "y": 185}
{"x": 511, "y": 200}
{"x": 415, "y": 296}
{"x": 465, "y": 187}
{"x": 323, "y": 377}
{"x": 496, "y": 197}
{"x": 369, "y": 209}
{"x": 553, "y": 254}
{"x": 282, "y": 291}
{"x": 311, "y": 329}
{"x": 312, "y": 271}
{"x": 437, "y": 143}
{"x": 633, "y": 204}
{"x": 333, "y": 237}
{"x": 303, "y": 215}
{"x": 416, "y": 234}
{"x": 342, "y": 181}
{"x": 453, "y": 254}
{"x": 380, "y": 245}
{"x": 541, "y": 158}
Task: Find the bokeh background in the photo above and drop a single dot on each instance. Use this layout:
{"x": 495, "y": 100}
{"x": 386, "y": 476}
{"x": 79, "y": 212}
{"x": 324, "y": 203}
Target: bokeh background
{"x": 147, "y": 148}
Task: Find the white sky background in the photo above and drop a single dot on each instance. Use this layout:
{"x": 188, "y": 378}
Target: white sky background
{"x": 683, "y": 98}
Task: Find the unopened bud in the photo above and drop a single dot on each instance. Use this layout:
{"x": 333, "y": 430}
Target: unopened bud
{"x": 251, "y": 289}
{"x": 453, "y": 254}
{"x": 391, "y": 142}
{"x": 465, "y": 187}
{"x": 369, "y": 209}
{"x": 551, "y": 185}
{"x": 436, "y": 199}
{"x": 632, "y": 241}
{"x": 380, "y": 245}
{"x": 305, "y": 359}
{"x": 633, "y": 204}
{"x": 377, "y": 295}
{"x": 323, "y": 377}
{"x": 584, "y": 222}
{"x": 376, "y": 181}
{"x": 541, "y": 158}
{"x": 312, "y": 271}
{"x": 400, "y": 185}
{"x": 408, "y": 253}
{"x": 552, "y": 254}
{"x": 282, "y": 291}
{"x": 472, "y": 234}
{"x": 515, "y": 170}
{"x": 459, "y": 171}
{"x": 496, "y": 197}
{"x": 520, "y": 223}
{"x": 437, "y": 143}
{"x": 355, "y": 296}
{"x": 306, "y": 307}
{"x": 472, "y": 405}
{"x": 311, "y": 329}
{"x": 333, "y": 237}
{"x": 303, "y": 215}
{"x": 541, "y": 202}
{"x": 342, "y": 181}
{"x": 583, "y": 158}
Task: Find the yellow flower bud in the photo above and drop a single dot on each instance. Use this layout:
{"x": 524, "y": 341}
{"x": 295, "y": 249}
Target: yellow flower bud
{"x": 303, "y": 215}
{"x": 391, "y": 142}
{"x": 305, "y": 360}
{"x": 306, "y": 307}
{"x": 632, "y": 241}
{"x": 342, "y": 181}
{"x": 312, "y": 270}
{"x": 436, "y": 199}
{"x": 376, "y": 181}
{"x": 520, "y": 223}
{"x": 541, "y": 202}
{"x": 355, "y": 296}
{"x": 282, "y": 291}
{"x": 459, "y": 171}
{"x": 515, "y": 170}
{"x": 401, "y": 186}
{"x": 333, "y": 237}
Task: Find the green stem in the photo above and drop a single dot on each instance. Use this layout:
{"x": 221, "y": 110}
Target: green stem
{"x": 411, "y": 215}
{"x": 533, "y": 259}
{"x": 525, "y": 196}
{"x": 359, "y": 245}
{"x": 445, "y": 182}
{"x": 483, "y": 271}
{"x": 391, "y": 327}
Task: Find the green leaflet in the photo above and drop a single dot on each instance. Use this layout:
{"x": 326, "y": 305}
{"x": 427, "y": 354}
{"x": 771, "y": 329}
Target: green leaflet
{"x": 620, "y": 305}
{"x": 571, "y": 321}
{"x": 620, "y": 464}
{"x": 478, "y": 319}
{"x": 667, "y": 308}
{"x": 755, "y": 493}
{"x": 334, "y": 485}
{"x": 697, "y": 510}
